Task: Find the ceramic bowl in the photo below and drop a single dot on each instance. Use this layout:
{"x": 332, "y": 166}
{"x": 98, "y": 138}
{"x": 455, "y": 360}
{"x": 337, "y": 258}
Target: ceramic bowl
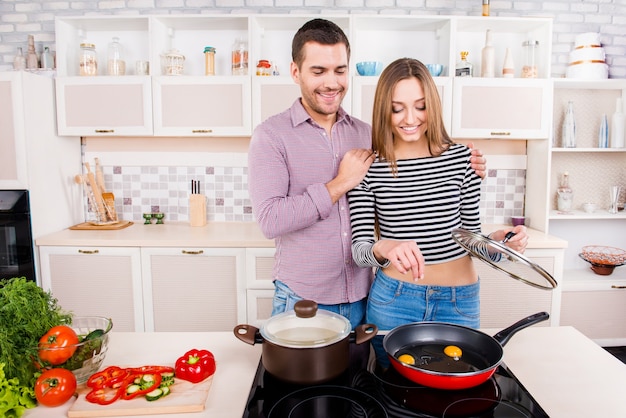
{"x": 369, "y": 68}
{"x": 435, "y": 69}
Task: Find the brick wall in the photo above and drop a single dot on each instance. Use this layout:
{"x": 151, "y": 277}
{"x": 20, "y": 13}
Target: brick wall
{"x": 19, "y": 18}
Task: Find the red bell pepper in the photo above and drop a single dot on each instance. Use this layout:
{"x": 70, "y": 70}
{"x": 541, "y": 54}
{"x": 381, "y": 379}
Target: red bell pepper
{"x": 195, "y": 365}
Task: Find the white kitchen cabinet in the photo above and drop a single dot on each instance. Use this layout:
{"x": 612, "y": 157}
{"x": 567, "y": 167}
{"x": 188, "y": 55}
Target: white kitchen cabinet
{"x": 104, "y": 106}
{"x": 259, "y": 284}
{"x": 101, "y": 281}
{"x": 597, "y": 311}
{"x": 202, "y": 106}
{"x": 501, "y": 108}
{"x": 272, "y": 95}
{"x": 224, "y": 105}
{"x": 193, "y": 289}
{"x": 13, "y": 170}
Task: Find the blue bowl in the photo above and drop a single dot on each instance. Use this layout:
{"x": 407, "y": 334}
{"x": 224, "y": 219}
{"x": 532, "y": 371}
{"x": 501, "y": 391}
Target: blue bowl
{"x": 435, "y": 69}
{"x": 369, "y": 68}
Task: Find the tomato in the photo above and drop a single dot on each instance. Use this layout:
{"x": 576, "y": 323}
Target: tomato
{"x": 57, "y": 345}
{"x": 55, "y": 387}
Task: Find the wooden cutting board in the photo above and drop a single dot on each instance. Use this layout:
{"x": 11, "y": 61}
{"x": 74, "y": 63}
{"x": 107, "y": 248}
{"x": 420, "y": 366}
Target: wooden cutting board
{"x": 90, "y": 226}
{"x": 184, "y": 397}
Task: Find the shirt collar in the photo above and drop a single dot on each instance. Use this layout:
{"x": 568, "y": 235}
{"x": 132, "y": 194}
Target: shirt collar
{"x": 299, "y": 114}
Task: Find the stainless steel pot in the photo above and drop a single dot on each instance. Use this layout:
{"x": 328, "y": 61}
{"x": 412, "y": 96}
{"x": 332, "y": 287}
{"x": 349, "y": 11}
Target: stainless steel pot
{"x": 306, "y": 345}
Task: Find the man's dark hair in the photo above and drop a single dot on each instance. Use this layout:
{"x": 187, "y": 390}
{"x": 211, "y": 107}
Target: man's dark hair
{"x": 321, "y": 31}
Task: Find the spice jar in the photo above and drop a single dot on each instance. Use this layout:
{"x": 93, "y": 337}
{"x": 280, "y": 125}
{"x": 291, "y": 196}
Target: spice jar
{"x": 209, "y": 60}
{"x": 529, "y": 68}
{"x": 264, "y": 68}
{"x": 88, "y": 60}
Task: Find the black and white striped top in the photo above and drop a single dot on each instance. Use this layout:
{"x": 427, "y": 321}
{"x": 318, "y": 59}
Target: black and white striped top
{"x": 428, "y": 199}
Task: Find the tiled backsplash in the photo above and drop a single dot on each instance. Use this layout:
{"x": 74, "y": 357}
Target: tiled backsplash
{"x": 148, "y": 189}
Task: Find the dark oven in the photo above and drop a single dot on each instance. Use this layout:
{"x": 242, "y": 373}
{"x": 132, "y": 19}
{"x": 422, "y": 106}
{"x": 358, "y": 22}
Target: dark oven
{"x": 16, "y": 238}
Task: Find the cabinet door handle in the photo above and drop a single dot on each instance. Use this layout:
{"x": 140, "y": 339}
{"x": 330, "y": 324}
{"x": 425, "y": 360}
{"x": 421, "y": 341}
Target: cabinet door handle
{"x": 105, "y": 131}
{"x": 193, "y": 252}
{"x": 202, "y": 131}
{"x": 617, "y": 287}
{"x": 88, "y": 251}
{"x": 500, "y": 133}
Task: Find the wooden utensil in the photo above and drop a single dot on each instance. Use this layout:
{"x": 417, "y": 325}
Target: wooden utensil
{"x": 96, "y": 193}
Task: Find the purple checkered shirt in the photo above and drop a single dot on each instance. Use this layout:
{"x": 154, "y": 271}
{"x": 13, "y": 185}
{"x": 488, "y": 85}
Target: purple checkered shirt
{"x": 290, "y": 160}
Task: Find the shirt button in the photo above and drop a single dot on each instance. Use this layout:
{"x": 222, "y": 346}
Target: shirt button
{"x": 345, "y": 234}
{"x": 342, "y": 208}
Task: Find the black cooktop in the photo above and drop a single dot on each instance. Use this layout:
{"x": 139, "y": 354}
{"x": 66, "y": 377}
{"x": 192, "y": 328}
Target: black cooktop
{"x": 363, "y": 392}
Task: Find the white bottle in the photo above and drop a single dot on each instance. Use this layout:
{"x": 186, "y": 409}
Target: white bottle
{"x": 568, "y": 139}
{"x": 19, "y": 62}
{"x": 508, "y": 68}
{"x": 487, "y": 63}
{"x": 617, "y": 125}
{"x": 603, "y": 133}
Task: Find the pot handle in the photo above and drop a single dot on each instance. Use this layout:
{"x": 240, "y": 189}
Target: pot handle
{"x": 505, "y": 335}
{"x": 363, "y": 333}
{"x": 248, "y": 334}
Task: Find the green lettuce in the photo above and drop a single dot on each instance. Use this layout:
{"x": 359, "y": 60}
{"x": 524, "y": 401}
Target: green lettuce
{"x": 14, "y": 398}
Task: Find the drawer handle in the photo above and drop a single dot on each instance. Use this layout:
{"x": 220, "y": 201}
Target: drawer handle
{"x": 501, "y": 133}
{"x": 88, "y": 251}
{"x": 617, "y": 287}
{"x": 193, "y": 252}
{"x": 202, "y": 131}
{"x": 105, "y": 131}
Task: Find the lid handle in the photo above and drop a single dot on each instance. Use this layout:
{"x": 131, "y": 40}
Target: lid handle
{"x": 305, "y": 308}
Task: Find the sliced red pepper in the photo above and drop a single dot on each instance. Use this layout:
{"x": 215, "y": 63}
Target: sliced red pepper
{"x": 104, "y": 395}
{"x": 108, "y": 377}
{"x": 151, "y": 369}
{"x": 130, "y": 381}
{"x": 195, "y": 365}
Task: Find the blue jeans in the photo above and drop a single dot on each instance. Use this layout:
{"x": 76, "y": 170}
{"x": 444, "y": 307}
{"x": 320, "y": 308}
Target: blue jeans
{"x": 285, "y": 299}
{"x": 393, "y": 302}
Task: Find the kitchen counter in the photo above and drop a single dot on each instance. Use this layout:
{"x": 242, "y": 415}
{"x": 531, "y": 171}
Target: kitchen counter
{"x": 214, "y": 234}
{"x": 568, "y": 374}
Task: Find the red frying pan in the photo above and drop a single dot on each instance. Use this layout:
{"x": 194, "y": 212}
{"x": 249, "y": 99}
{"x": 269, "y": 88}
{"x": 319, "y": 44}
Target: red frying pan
{"x": 449, "y": 356}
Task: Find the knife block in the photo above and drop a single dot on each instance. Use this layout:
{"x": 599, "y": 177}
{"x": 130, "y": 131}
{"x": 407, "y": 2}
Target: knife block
{"x": 197, "y": 210}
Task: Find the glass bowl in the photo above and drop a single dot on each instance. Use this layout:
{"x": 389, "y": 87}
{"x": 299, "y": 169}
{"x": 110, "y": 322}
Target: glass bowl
{"x": 93, "y": 337}
{"x": 369, "y": 68}
{"x": 603, "y": 259}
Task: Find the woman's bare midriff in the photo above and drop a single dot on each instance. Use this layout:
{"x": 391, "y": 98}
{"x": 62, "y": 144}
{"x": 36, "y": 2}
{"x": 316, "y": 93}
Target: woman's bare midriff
{"x": 451, "y": 273}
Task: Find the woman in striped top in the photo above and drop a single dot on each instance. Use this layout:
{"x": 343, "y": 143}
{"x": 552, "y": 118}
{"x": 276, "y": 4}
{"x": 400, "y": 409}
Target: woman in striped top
{"x": 419, "y": 189}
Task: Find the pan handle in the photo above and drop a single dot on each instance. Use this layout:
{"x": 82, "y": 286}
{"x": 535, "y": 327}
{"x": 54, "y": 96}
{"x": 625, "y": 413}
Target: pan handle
{"x": 248, "y": 334}
{"x": 505, "y": 335}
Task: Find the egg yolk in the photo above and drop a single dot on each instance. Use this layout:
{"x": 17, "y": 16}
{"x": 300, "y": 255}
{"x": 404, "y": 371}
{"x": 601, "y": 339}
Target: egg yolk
{"x": 407, "y": 359}
{"x": 453, "y": 351}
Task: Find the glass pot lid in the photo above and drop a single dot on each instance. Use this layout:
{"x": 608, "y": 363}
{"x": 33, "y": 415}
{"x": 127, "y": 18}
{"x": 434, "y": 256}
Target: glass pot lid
{"x": 306, "y": 327}
{"x": 510, "y": 261}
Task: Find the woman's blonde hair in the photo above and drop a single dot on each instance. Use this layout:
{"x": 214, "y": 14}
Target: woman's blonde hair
{"x": 382, "y": 131}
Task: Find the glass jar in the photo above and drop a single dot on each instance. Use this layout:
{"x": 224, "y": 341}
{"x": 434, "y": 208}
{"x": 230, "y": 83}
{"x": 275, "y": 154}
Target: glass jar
{"x": 239, "y": 58}
{"x": 529, "y": 66}
{"x": 115, "y": 61}
{"x": 209, "y": 60}
{"x": 264, "y": 68}
{"x": 88, "y": 59}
